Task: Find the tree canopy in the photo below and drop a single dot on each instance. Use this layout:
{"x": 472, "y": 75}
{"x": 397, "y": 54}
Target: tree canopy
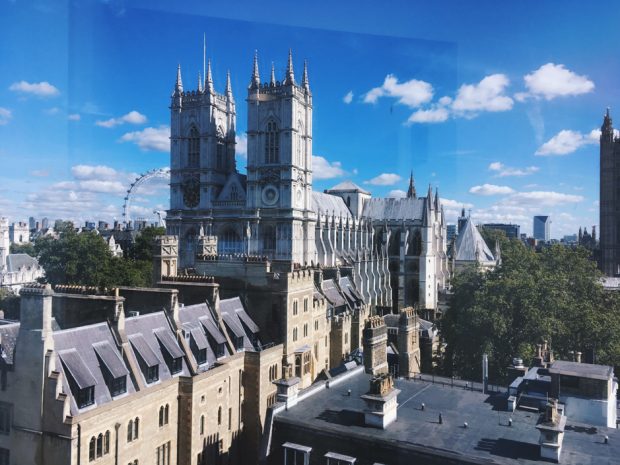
{"x": 85, "y": 259}
{"x": 552, "y": 295}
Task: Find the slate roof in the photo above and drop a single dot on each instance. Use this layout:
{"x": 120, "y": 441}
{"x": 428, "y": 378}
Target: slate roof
{"x": 146, "y": 332}
{"x": 349, "y": 290}
{"x": 198, "y": 321}
{"x": 8, "y": 339}
{"x": 331, "y": 291}
{"x": 394, "y": 209}
{"x": 238, "y": 321}
{"x": 326, "y": 204}
{"x": 348, "y": 186}
{"x": 582, "y": 370}
{"x": 469, "y": 242}
{"x": 17, "y": 261}
{"x": 78, "y": 349}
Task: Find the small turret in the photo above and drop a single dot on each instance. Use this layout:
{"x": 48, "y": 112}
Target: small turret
{"x": 437, "y": 199}
{"x": 290, "y": 75}
{"x": 607, "y": 129}
{"x": 272, "y": 81}
{"x": 304, "y": 80}
{"x": 255, "y": 82}
{"x": 199, "y": 82}
{"x": 209, "y": 80}
{"x": 229, "y": 94}
{"x": 411, "y": 193}
{"x": 178, "y": 88}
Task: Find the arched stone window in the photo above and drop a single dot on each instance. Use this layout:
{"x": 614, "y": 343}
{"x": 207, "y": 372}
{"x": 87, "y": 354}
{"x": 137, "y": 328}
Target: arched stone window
{"x": 269, "y": 240}
{"x": 272, "y": 143}
{"x": 193, "y": 148}
{"x": 91, "y": 449}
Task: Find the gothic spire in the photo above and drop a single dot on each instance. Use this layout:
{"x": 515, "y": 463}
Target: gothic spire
{"x": 436, "y": 198}
{"x": 209, "y": 79}
{"x": 429, "y": 196}
{"x": 290, "y": 76}
{"x": 411, "y": 193}
{"x": 199, "y": 82}
{"x": 255, "y": 75}
{"x": 179, "y": 85}
{"x": 272, "y": 81}
{"x": 228, "y": 85}
{"x": 304, "y": 80}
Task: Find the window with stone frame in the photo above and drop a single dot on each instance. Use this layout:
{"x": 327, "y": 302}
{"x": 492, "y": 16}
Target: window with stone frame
{"x": 272, "y": 143}
{"x": 193, "y": 148}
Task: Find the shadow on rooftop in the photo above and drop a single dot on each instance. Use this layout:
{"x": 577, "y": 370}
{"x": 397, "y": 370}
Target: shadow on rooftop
{"x": 342, "y": 417}
{"x": 497, "y": 401}
{"x": 509, "y": 448}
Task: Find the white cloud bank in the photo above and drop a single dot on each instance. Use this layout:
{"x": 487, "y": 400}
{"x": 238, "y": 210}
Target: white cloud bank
{"x": 133, "y": 117}
{"x": 487, "y": 95}
{"x": 348, "y": 98}
{"x": 324, "y": 169}
{"x": 5, "y": 116}
{"x": 567, "y": 141}
{"x": 38, "y": 89}
{"x": 384, "y": 179}
{"x": 491, "y": 189}
{"x": 155, "y": 139}
{"x": 551, "y": 81}
{"x": 503, "y": 171}
{"x": 412, "y": 93}
{"x": 241, "y": 147}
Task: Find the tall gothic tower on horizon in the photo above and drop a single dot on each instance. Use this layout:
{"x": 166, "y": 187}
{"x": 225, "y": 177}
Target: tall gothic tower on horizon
{"x": 279, "y": 180}
{"x": 609, "y": 207}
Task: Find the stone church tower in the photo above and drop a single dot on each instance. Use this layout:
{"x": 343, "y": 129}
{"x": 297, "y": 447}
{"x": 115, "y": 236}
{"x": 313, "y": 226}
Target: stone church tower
{"x": 279, "y": 179}
{"x": 202, "y": 157}
{"x": 610, "y": 199}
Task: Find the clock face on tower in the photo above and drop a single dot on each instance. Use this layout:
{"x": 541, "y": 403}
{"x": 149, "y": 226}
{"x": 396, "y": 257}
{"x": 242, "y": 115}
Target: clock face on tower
{"x": 270, "y": 195}
{"x": 191, "y": 192}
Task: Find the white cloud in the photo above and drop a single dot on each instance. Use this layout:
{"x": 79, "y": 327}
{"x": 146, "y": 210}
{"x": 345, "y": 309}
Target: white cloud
{"x": 551, "y": 81}
{"x": 323, "y": 169}
{"x": 74, "y": 117}
{"x": 348, "y": 98}
{"x": 504, "y": 171}
{"x": 384, "y": 179}
{"x": 448, "y": 203}
{"x": 83, "y": 172}
{"x": 40, "y": 173}
{"x": 491, "y": 189}
{"x": 542, "y": 198}
{"x": 397, "y": 194}
{"x": 433, "y": 115}
{"x": 567, "y": 141}
{"x": 412, "y": 93}
{"x": 107, "y": 187}
{"x": 133, "y": 117}
{"x": 242, "y": 145}
{"x": 52, "y": 111}
{"x": 487, "y": 95}
{"x": 5, "y": 115}
{"x": 157, "y": 139}
{"x": 39, "y": 89}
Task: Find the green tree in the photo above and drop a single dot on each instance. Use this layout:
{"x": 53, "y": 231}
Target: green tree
{"x": 554, "y": 295}
{"x": 27, "y": 248}
{"x": 142, "y": 249}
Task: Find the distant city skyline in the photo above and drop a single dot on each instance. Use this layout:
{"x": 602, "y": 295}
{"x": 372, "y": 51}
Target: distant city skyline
{"x": 509, "y": 131}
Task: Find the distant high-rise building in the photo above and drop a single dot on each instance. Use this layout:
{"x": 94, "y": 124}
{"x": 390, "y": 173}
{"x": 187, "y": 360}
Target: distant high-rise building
{"x": 512, "y": 231}
{"x": 609, "y": 199}
{"x": 450, "y": 232}
{"x": 542, "y": 228}
{"x": 45, "y": 223}
{"x": 32, "y": 223}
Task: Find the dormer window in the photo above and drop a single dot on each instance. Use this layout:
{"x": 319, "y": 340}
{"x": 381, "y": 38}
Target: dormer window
{"x": 152, "y": 374}
{"x": 173, "y": 355}
{"x": 118, "y": 386}
{"x": 112, "y": 367}
{"x": 85, "y": 396}
{"x": 220, "y": 350}
{"x": 239, "y": 343}
{"x": 201, "y": 356}
{"x": 176, "y": 365}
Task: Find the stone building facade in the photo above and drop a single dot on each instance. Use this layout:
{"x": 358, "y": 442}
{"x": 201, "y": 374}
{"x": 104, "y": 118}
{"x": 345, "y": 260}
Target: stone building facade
{"x": 187, "y": 384}
{"x": 395, "y": 248}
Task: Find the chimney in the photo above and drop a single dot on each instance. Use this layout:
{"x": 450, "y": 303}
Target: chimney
{"x": 408, "y": 343}
{"x": 381, "y": 402}
{"x": 374, "y": 340}
{"x": 551, "y": 425}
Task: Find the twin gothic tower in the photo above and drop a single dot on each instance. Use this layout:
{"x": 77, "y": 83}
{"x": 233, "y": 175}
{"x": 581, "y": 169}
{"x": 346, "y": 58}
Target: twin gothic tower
{"x": 269, "y": 211}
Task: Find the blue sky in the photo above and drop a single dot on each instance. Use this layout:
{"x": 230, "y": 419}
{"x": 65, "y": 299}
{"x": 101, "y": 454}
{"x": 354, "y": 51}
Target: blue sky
{"x": 494, "y": 103}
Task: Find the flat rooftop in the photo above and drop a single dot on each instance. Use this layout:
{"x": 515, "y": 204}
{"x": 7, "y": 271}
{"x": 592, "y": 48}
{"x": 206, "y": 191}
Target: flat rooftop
{"x": 582, "y": 370}
{"x": 487, "y": 439}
